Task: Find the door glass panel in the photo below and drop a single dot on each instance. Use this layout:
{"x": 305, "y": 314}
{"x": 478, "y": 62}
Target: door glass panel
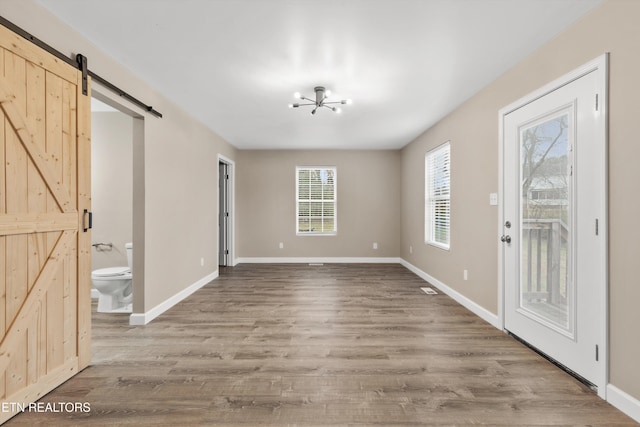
{"x": 546, "y": 293}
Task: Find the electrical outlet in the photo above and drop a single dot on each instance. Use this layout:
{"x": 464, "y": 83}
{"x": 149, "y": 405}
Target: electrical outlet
{"x": 281, "y": 245}
{"x": 375, "y": 245}
{"x": 410, "y": 249}
{"x": 465, "y": 274}
{"x": 201, "y": 262}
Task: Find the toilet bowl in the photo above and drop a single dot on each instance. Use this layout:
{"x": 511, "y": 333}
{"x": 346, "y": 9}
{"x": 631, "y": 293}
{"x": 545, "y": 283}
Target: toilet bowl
{"x": 114, "y": 286}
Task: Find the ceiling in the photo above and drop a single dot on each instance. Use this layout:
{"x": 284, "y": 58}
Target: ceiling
{"x": 234, "y": 64}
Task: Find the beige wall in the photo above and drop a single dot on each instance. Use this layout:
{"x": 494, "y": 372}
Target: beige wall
{"x": 111, "y": 186}
{"x": 179, "y": 166}
{"x": 368, "y": 199}
{"x": 473, "y": 131}
{"x": 474, "y": 175}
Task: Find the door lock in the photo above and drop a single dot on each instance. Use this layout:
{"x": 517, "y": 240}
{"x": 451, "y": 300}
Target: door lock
{"x": 506, "y": 239}
{"x": 507, "y": 224}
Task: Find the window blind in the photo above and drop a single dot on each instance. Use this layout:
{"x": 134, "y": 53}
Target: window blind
{"x": 316, "y": 200}
{"x": 438, "y": 196}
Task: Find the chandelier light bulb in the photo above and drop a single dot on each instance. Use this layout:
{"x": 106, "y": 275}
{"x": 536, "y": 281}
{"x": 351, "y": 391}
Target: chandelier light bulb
{"x": 297, "y": 95}
{"x": 327, "y": 93}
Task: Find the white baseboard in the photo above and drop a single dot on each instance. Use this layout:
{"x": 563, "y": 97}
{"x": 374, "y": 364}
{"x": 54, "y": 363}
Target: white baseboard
{"x": 478, "y": 310}
{"x": 314, "y": 260}
{"x": 138, "y": 319}
{"x": 624, "y": 402}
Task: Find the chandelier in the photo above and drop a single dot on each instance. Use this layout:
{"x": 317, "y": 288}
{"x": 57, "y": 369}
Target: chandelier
{"x": 321, "y": 100}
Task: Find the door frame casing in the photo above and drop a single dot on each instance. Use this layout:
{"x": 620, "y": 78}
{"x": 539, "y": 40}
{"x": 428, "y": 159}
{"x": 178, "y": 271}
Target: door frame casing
{"x": 601, "y": 66}
{"x": 231, "y": 165}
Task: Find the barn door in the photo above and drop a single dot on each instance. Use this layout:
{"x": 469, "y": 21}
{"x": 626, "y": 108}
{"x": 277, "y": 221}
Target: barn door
{"x": 45, "y": 311}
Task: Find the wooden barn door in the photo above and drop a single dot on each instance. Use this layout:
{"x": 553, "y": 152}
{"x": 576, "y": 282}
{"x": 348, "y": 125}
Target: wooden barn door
{"x": 45, "y": 306}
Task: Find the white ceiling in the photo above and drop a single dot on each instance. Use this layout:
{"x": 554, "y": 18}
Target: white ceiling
{"x": 234, "y": 64}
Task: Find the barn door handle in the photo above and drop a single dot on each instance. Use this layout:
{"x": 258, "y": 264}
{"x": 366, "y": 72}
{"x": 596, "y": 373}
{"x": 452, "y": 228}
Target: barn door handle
{"x": 86, "y": 225}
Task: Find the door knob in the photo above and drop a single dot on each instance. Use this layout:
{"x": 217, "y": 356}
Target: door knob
{"x": 506, "y": 239}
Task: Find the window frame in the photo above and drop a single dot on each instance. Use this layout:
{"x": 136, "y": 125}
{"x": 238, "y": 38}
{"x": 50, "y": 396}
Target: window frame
{"x": 430, "y": 198}
{"x": 334, "y": 169}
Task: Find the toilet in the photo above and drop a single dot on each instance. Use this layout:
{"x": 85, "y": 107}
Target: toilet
{"x": 114, "y": 286}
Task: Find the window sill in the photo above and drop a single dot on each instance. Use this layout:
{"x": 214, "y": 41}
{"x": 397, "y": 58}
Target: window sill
{"x": 439, "y": 246}
{"x": 317, "y": 234}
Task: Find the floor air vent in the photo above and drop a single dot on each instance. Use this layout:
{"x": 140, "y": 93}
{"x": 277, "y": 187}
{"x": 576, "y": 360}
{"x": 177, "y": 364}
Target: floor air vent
{"x": 429, "y": 291}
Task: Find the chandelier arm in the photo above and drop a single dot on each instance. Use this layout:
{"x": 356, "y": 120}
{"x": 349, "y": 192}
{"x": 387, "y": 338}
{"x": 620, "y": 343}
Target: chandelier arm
{"x": 320, "y": 91}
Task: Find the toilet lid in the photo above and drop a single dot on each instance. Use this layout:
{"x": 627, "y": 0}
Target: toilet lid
{"x": 110, "y": 272}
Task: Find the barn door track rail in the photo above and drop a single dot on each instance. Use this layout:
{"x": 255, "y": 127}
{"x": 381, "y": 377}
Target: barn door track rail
{"x": 79, "y": 62}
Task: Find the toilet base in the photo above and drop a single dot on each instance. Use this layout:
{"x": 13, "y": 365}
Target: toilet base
{"x": 126, "y": 309}
{"x": 113, "y": 304}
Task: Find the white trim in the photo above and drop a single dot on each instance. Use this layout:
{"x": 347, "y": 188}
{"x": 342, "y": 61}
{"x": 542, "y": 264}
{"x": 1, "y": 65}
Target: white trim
{"x": 601, "y": 64}
{"x": 316, "y": 260}
{"x": 138, "y": 319}
{"x": 476, "y": 309}
{"x": 624, "y": 402}
{"x": 500, "y": 228}
{"x": 603, "y": 129}
{"x": 232, "y": 201}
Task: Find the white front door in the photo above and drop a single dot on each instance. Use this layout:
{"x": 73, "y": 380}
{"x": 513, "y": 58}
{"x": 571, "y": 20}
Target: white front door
{"x": 554, "y": 221}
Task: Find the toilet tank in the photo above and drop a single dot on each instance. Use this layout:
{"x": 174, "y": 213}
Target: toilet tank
{"x": 129, "y": 248}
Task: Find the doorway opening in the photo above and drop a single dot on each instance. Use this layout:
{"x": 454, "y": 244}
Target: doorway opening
{"x": 226, "y": 210}
{"x": 117, "y": 189}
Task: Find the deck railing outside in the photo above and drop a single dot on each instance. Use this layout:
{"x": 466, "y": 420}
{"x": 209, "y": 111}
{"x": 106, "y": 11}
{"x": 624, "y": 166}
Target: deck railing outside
{"x": 544, "y": 261}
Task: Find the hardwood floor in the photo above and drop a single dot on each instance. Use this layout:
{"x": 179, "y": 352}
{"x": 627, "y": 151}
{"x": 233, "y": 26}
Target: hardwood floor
{"x": 298, "y": 345}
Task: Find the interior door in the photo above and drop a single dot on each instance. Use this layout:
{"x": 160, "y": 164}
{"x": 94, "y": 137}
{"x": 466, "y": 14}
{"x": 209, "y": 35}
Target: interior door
{"x": 223, "y": 214}
{"x": 554, "y": 244}
{"x": 45, "y": 309}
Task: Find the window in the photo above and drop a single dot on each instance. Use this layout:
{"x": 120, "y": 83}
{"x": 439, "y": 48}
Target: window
{"x": 437, "y": 210}
{"x": 316, "y": 200}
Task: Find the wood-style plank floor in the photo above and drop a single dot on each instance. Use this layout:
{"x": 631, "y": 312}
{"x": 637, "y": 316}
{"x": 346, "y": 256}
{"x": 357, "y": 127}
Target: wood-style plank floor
{"x": 298, "y": 345}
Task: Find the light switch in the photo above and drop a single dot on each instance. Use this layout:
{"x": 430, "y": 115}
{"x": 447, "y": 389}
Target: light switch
{"x": 493, "y": 199}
